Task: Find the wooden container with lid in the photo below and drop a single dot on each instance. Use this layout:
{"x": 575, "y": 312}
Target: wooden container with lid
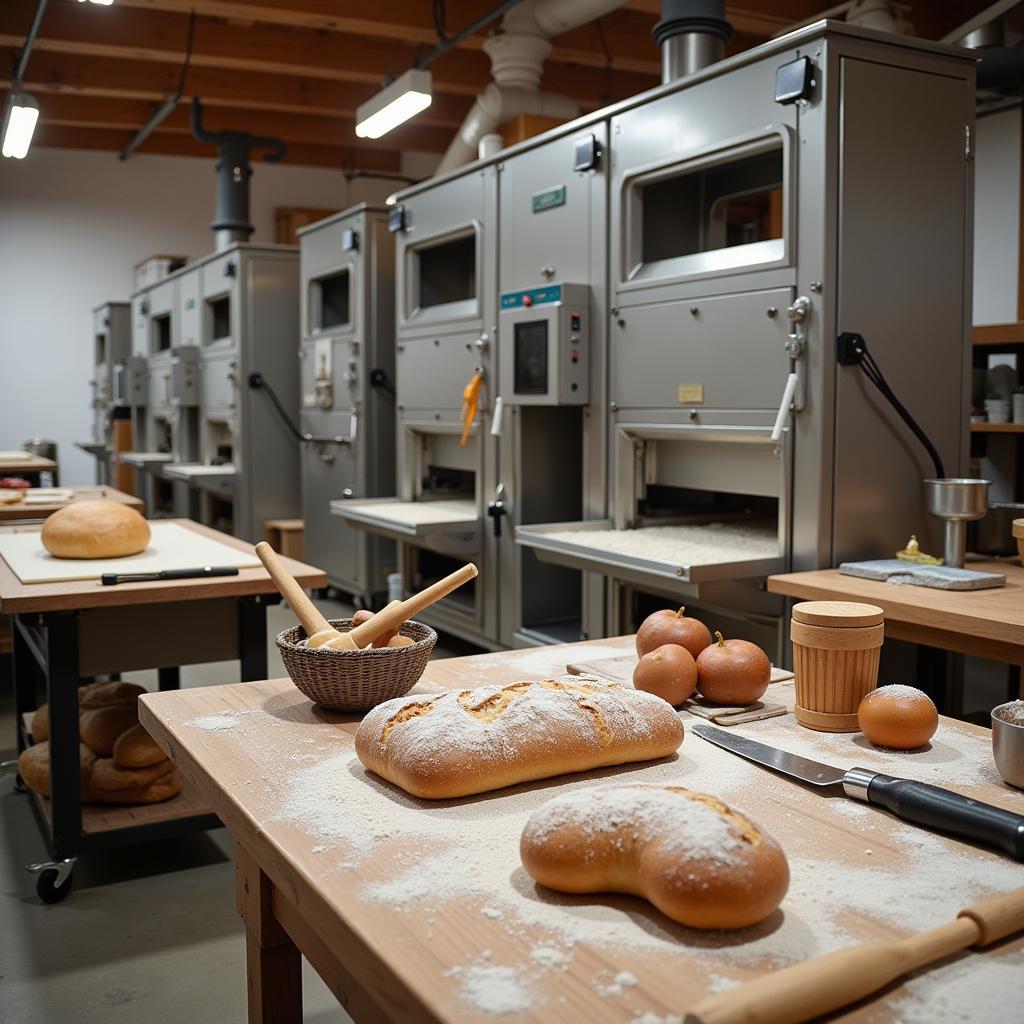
{"x": 836, "y": 647}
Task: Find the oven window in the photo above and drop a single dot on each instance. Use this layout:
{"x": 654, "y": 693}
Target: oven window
{"x": 531, "y": 358}
{"x": 332, "y": 310}
{"x": 447, "y": 272}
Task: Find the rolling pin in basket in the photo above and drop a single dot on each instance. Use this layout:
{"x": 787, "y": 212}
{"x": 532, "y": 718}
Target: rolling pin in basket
{"x": 811, "y": 989}
{"x": 322, "y": 634}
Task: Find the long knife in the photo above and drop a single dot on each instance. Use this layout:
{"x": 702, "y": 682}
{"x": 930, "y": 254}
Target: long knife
{"x": 938, "y": 809}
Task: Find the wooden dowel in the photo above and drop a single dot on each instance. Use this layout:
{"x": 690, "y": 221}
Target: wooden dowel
{"x": 309, "y": 615}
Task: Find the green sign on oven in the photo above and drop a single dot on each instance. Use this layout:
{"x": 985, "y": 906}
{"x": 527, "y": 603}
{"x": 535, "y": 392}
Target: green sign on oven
{"x": 549, "y": 199}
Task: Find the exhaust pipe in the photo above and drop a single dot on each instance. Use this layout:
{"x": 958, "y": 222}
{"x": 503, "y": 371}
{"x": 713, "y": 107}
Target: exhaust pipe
{"x": 691, "y": 34}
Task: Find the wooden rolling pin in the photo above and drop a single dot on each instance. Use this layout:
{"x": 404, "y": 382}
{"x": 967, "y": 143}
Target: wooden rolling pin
{"x": 322, "y": 634}
{"x": 816, "y": 987}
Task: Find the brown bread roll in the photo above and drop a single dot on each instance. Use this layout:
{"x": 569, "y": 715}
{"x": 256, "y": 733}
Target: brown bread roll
{"x": 101, "y": 695}
{"x": 34, "y": 767}
{"x": 699, "y": 862}
{"x": 108, "y": 777}
{"x": 471, "y": 741}
{"x": 163, "y": 788}
{"x": 95, "y": 529}
{"x": 40, "y": 724}
{"x": 137, "y": 749}
{"x": 99, "y": 728}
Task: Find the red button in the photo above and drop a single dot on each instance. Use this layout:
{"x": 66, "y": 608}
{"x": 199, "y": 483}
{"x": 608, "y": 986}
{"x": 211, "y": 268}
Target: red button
{"x": 527, "y": 301}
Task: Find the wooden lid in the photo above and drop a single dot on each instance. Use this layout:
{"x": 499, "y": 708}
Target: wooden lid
{"x": 837, "y": 613}
{"x": 1018, "y": 529}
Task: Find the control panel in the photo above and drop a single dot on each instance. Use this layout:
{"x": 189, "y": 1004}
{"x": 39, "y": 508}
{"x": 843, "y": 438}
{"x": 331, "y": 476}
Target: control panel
{"x": 544, "y": 345}
{"x": 185, "y": 376}
{"x": 130, "y": 382}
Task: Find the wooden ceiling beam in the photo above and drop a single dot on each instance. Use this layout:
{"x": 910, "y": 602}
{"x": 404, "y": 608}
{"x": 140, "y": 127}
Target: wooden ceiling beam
{"x": 114, "y": 140}
{"x": 312, "y": 129}
{"x": 154, "y": 80}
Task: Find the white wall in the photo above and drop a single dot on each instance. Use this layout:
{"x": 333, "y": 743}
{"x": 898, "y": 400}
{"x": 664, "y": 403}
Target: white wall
{"x": 997, "y": 171}
{"x": 72, "y": 226}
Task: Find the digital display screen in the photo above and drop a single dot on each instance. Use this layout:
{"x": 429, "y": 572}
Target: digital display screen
{"x": 531, "y": 358}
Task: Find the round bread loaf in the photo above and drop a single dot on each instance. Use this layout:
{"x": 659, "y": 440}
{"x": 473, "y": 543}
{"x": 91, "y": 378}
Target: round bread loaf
{"x": 95, "y": 529}
{"x": 699, "y": 862}
{"x": 101, "y": 695}
{"x": 162, "y": 788}
{"x": 99, "y": 728}
{"x": 108, "y": 777}
{"x": 34, "y": 767}
{"x": 137, "y": 749}
{"x": 40, "y": 725}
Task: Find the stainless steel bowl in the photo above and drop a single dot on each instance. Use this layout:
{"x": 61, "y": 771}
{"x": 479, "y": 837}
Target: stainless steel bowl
{"x": 1008, "y": 745}
{"x": 957, "y": 497}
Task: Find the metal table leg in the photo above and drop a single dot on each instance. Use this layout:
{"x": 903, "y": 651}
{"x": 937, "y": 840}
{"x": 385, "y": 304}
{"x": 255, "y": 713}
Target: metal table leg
{"x": 168, "y": 678}
{"x": 25, "y": 677}
{"x": 252, "y": 637}
{"x": 62, "y": 694}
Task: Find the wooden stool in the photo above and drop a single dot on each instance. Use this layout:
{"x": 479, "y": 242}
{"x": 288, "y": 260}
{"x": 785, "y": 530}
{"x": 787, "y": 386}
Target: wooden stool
{"x": 285, "y": 536}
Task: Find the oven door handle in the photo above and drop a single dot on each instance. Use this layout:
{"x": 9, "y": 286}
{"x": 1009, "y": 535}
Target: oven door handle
{"x": 785, "y": 406}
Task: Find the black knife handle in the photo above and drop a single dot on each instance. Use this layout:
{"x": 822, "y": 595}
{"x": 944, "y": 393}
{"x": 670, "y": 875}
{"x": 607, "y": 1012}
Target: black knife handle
{"x": 945, "y": 811}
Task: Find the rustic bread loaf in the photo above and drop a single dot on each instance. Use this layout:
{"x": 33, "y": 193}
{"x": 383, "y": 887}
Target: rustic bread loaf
{"x": 471, "y": 741}
{"x": 165, "y": 786}
{"x": 95, "y": 529}
{"x": 99, "y": 728}
{"x": 699, "y": 862}
{"x": 108, "y": 777}
{"x": 101, "y": 695}
{"x": 137, "y": 749}
{"x": 34, "y": 767}
{"x": 40, "y": 724}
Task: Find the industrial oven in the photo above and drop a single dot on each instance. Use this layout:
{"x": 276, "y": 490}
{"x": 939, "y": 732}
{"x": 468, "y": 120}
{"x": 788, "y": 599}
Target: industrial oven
{"x": 347, "y": 391}
{"x": 219, "y": 338}
{"x": 111, "y": 343}
{"x": 818, "y": 184}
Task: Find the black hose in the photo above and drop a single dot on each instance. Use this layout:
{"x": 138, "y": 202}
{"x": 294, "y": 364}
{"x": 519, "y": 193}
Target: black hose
{"x": 258, "y": 383}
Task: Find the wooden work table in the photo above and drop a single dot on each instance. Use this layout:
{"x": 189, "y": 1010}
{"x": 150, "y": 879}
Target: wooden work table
{"x": 32, "y": 466}
{"x": 415, "y": 911}
{"x": 68, "y": 631}
{"x": 22, "y": 511}
{"x": 983, "y": 623}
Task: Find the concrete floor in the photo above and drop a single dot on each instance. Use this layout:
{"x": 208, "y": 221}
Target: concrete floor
{"x": 149, "y": 932}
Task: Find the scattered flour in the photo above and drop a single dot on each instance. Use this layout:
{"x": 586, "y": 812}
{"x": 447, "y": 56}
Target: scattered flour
{"x": 423, "y": 512}
{"x": 494, "y": 989}
{"x": 626, "y": 979}
{"x": 549, "y": 957}
{"x": 973, "y": 988}
{"x": 492, "y": 912}
{"x": 720, "y": 983}
{"x": 647, "y": 1017}
{"x": 214, "y": 723}
{"x": 607, "y": 986}
{"x": 1012, "y": 712}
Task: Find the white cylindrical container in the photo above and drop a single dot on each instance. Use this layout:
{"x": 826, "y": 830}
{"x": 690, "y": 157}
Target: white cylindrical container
{"x": 396, "y": 592}
{"x": 1018, "y": 407}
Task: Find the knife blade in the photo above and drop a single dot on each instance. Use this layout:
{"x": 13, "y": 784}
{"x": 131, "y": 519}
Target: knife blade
{"x": 919, "y": 803}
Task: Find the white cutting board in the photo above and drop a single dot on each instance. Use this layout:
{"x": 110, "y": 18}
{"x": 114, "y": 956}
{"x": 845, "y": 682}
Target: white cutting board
{"x": 170, "y": 547}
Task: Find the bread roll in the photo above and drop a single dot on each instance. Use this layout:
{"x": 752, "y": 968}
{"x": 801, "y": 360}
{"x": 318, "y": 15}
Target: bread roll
{"x": 101, "y": 695}
{"x": 163, "y": 788}
{"x": 34, "y": 767}
{"x": 471, "y": 741}
{"x": 95, "y": 529}
{"x": 108, "y": 777}
{"x": 696, "y": 860}
{"x": 137, "y": 749}
{"x": 40, "y": 724}
{"x": 99, "y": 728}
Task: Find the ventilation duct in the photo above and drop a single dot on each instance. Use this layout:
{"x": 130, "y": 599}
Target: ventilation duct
{"x": 517, "y": 52}
{"x": 691, "y": 34}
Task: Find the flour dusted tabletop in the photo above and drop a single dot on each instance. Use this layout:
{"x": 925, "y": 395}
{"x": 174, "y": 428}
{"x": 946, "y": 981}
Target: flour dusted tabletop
{"x": 425, "y": 913}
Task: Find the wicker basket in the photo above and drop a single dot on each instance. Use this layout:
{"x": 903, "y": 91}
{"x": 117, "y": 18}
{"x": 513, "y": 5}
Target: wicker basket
{"x": 355, "y": 680}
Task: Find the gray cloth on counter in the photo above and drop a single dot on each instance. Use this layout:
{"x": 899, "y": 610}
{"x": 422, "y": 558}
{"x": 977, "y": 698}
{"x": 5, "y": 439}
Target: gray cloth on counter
{"x": 942, "y": 577}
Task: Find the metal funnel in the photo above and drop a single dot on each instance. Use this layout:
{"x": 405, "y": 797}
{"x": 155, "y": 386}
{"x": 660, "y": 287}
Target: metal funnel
{"x": 956, "y": 500}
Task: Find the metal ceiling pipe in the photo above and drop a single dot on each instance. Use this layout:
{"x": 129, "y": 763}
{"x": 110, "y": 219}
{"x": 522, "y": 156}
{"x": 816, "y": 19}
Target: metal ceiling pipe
{"x": 691, "y": 34}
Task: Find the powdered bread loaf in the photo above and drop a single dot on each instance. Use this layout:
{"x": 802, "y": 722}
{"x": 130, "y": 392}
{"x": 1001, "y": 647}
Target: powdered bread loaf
{"x": 34, "y": 767}
{"x": 137, "y": 749}
{"x": 99, "y": 728}
{"x": 699, "y": 862}
{"x": 471, "y": 741}
{"x": 95, "y": 529}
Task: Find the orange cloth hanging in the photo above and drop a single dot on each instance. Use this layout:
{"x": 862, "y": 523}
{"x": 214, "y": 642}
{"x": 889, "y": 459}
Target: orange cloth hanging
{"x": 470, "y": 401}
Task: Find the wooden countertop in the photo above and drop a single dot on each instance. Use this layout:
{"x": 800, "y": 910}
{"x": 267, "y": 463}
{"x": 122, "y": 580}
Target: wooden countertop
{"x": 427, "y": 910}
{"x": 21, "y": 511}
{"x": 33, "y": 464}
{"x": 985, "y": 623}
{"x": 17, "y": 597}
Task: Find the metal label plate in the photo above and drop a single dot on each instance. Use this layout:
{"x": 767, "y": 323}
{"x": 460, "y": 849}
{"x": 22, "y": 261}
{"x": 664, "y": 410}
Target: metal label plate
{"x": 548, "y": 199}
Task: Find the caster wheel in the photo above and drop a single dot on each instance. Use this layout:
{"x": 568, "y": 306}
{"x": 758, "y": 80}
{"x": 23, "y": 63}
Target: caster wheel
{"x": 19, "y": 785}
{"x": 47, "y": 889}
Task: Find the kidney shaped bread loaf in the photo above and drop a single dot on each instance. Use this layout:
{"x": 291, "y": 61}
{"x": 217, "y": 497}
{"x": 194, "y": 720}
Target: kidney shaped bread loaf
{"x": 471, "y": 741}
{"x": 697, "y": 860}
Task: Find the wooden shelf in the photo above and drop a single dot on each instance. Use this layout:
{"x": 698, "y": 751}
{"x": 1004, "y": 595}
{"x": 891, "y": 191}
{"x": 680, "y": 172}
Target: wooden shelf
{"x": 998, "y": 334}
{"x": 997, "y": 428}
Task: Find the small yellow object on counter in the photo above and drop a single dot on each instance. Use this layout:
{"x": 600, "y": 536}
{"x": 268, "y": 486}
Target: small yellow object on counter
{"x": 913, "y": 553}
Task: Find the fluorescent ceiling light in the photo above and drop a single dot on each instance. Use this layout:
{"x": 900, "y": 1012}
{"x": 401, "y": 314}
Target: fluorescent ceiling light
{"x": 102, "y": 3}
{"x": 394, "y": 104}
{"x": 19, "y": 123}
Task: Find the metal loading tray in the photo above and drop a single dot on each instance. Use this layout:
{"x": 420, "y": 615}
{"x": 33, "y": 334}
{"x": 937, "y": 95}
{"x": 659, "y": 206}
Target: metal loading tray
{"x": 97, "y": 448}
{"x": 219, "y": 479}
{"x": 446, "y": 525}
{"x": 151, "y": 462}
{"x": 696, "y": 552}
